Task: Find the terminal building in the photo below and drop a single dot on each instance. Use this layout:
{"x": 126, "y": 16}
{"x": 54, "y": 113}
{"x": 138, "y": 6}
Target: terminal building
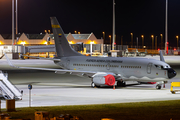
{"x": 43, "y": 44}
{"x": 40, "y": 43}
{"x": 43, "y": 39}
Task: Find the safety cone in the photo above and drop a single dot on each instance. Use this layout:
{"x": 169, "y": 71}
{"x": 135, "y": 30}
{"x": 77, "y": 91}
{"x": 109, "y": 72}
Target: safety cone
{"x": 113, "y": 87}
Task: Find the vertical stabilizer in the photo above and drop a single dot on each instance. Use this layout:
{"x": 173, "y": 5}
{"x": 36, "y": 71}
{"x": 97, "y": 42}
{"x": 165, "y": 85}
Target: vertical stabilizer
{"x": 63, "y": 48}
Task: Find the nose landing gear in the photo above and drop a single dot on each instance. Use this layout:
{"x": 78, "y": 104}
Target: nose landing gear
{"x": 158, "y": 86}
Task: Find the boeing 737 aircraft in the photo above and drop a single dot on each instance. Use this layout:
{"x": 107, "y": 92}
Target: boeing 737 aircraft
{"x": 106, "y": 70}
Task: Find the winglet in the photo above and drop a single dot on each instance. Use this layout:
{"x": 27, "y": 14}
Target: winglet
{"x": 161, "y": 56}
{"x": 9, "y": 62}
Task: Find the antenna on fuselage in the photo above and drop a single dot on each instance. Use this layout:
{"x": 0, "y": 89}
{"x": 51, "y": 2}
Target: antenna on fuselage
{"x": 161, "y": 56}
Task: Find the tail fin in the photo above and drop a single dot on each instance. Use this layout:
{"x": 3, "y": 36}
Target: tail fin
{"x": 63, "y": 48}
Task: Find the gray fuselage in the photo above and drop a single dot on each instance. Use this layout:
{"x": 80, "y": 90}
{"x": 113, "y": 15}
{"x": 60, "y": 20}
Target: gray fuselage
{"x": 139, "y": 69}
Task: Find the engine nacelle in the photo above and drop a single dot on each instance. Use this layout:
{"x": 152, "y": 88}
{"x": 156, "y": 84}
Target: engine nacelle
{"x": 104, "y": 79}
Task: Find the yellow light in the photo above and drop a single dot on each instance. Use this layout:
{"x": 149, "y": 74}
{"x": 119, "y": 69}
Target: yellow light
{"x": 177, "y": 37}
{"x": 23, "y": 42}
{"x": 110, "y": 36}
{"x": 161, "y": 35}
{"x": 103, "y": 32}
{"x": 92, "y": 42}
{"x": 142, "y": 36}
{"x": 70, "y": 42}
{"x": 79, "y": 33}
{"x": 45, "y": 42}
{"x": 131, "y": 33}
{"x": 152, "y": 36}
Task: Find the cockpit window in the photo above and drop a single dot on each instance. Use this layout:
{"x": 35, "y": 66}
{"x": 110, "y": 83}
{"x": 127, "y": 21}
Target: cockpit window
{"x": 162, "y": 67}
{"x": 167, "y": 66}
{"x": 158, "y": 66}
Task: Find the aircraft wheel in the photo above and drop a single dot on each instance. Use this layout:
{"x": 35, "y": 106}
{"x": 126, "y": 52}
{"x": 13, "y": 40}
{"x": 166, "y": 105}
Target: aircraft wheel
{"x": 124, "y": 84}
{"x": 93, "y": 85}
{"x": 121, "y": 84}
{"x": 118, "y": 83}
{"x": 158, "y": 87}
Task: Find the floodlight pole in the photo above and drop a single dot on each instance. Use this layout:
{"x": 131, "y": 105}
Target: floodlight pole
{"x": 113, "y": 25}
{"x": 16, "y": 18}
{"x": 166, "y": 29}
{"x": 12, "y": 25}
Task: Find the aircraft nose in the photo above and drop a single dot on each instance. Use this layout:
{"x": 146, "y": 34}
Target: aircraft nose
{"x": 171, "y": 73}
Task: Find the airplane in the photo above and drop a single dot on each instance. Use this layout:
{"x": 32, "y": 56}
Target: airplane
{"x": 106, "y": 71}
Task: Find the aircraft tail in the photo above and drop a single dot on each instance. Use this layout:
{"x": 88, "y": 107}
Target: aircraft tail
{"x": 63, "y": 48}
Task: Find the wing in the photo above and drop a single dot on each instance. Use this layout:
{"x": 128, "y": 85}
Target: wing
{"x": 58, "y": 71}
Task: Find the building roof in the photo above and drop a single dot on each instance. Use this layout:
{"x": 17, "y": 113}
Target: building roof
{"x": 35, "y": 36}
{"x": 80, "y": 36}
{"x": 7, "y": 36}
{"x": 52, "y": 36}
{"x": 41, "y": 36}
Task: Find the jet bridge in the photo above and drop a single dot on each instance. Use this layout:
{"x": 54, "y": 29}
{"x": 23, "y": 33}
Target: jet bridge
{"x": 9, "y": 91}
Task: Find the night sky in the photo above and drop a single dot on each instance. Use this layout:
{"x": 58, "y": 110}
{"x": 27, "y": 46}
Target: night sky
{"x": 141, "y": 17}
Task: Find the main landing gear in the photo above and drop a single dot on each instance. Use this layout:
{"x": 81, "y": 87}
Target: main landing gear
{"x": 121, "y": 84}
{"x": 93, "y": 85}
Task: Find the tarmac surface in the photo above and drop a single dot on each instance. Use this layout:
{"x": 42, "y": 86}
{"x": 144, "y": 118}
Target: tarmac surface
{"x": 50, "y": 89}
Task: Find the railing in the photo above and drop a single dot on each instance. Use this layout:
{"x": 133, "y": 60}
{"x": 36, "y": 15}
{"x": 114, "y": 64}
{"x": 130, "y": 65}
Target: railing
{"x": 154, "y": 52}
{"x": 10, "y": 91}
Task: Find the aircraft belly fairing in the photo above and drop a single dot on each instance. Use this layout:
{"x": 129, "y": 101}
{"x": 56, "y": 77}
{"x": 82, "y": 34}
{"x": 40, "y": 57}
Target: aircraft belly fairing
{"x": 144, "y": 79}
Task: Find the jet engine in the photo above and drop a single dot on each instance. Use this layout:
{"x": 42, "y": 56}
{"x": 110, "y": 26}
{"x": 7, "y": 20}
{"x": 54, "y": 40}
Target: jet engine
{"x": 103, "y": 79}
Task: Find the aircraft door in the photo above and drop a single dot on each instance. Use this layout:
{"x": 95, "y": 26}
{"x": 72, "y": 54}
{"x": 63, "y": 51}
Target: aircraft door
{"x": 149, "y": 68}
{"x": 108, "y": 66}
